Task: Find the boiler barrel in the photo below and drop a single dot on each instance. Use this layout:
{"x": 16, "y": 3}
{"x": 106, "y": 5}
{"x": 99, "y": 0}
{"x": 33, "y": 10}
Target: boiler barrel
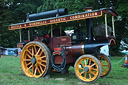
{"x": 48, "y": 14}
{"x": 78, "y": 50}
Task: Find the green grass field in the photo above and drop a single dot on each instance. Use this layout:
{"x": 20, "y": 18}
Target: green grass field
{"x": 12, "y": 74}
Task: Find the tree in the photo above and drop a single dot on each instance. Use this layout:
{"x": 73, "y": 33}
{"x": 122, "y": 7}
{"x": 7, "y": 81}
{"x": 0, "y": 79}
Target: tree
{"x": 14, "y": 11}
{"x": 6, "y": 17}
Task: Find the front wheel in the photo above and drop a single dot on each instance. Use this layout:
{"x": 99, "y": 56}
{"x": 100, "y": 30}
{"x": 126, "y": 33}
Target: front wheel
{"x": 87, "y": 68}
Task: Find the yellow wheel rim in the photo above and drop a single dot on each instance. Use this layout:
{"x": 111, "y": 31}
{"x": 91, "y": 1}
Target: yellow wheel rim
{"x": 86, "y": 69}
{"x": 105, "y": 65}
{"x": 33, "y": 60}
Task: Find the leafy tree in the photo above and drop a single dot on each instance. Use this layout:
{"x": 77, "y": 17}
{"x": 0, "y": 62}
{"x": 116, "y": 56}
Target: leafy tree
{"x": 121, "y": 25}
{"x": 6, "y": 17}
{"x": 14, "y": 11}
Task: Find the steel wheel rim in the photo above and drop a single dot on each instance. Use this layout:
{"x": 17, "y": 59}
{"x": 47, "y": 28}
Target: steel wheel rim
{"x": 105, "y": 65}
{"x": 31, "y": 68}
{"x": 89, "y": 76}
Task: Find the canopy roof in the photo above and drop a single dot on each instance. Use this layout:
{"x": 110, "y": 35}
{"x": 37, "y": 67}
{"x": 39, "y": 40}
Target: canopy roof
{"x": 65, "y": 18}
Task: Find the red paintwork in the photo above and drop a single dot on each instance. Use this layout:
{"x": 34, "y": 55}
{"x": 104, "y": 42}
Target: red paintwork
{"x": 69, "y": 58}
{"x": 71, "y": 51}
{"x": 59, "y": 41}
{"x": 112, "y": 42}
{"x": 76, "y": 50}
{"x": 57, "y": 49}
{"x": 113, "y": 13}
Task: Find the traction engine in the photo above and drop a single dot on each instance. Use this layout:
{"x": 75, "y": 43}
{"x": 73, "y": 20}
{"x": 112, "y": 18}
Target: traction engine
{"x": 59, "y": 51}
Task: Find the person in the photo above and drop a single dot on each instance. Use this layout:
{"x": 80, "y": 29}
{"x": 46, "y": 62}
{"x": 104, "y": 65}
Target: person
{"x": 16, "y": 52}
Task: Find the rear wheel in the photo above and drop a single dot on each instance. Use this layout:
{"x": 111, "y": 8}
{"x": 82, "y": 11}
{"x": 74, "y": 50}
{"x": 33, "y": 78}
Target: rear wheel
{"x": 87, "y": 68}
{"x": 35, "y": 59}
{"x": 105, "y": 64}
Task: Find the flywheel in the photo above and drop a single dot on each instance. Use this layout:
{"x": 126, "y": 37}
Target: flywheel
{"x": 35, "y": 59}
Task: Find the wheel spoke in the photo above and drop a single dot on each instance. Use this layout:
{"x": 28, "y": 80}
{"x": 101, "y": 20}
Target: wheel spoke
{"x": 43, "y": 60}
{"x": 35, "y": 49}
{"x": 38, "y": 70}
{"x": 85, "y": 62}
{"x": 90, "y": 76}
{"x": 38, "y": 51}
{"x": 101, "y": 59}
{"x": 85, "y": 74}
{"x": 89, "y": 62}
{"x": 29, "y": 63}
{"x": 32, "y": 51}
{"x": 94, "y": 69}
{"x": 103, "y": 69}
{"x": 26, "y": 59}
{"x": 29, "y": 52}
{"x": 81, "y": 68}
{"x": 41, "y": 52}
{"x": 82, "y": 64}
{"x": 93, "y": 73}
{"x": 41, "y": 57}
{"x": 105, "y": 65}
{"x": 32, "y": 70}
{"x": 92, "y": 65}
{"x": 41, "y": 69}
{"x": 29, "y": 67}
{"x": 82, "y": 72}
{"x": 42, "y": 64}
{"x": 28, "y": 56}
{"x": 104, "y": 62}
{"x": 35, "y": 71}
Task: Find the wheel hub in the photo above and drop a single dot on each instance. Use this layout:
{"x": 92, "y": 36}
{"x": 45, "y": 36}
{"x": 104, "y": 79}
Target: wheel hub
{"x": 33, "y": 60}
{"x": 86, "y": 69}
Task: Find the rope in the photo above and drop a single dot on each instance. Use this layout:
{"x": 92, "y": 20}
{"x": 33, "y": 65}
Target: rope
{"x": 120, "y": 60}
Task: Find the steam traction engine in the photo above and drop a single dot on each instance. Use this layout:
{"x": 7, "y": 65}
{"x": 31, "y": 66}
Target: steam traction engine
{"x": 58, "y": 51}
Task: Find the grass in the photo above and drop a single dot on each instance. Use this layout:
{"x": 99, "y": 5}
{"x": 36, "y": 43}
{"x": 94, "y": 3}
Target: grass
{"x": 12, "y": 74}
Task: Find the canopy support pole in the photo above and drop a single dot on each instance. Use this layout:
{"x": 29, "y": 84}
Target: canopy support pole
{"x": 28, "y": 34}
{"x": 20, "y": 35}
{"x": 51, "y": 32}
{"x": 113, "y": 26}
{"x": 106, "y": 29}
